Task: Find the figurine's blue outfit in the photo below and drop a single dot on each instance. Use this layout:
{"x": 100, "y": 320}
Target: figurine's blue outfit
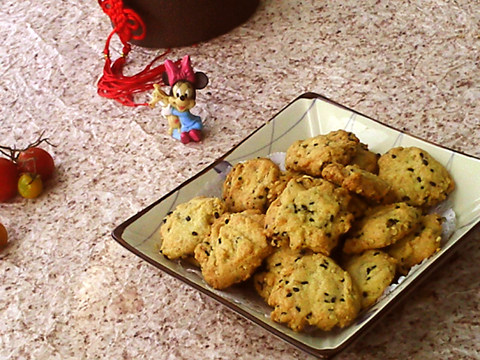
{"x": 188, "y": 122}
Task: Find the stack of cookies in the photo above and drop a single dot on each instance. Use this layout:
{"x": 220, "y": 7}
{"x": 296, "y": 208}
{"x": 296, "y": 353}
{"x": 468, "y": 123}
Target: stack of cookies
{"x": 321, "y": 240}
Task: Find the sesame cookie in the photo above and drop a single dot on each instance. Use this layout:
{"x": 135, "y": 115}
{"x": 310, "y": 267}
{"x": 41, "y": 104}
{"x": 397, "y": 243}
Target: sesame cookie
{"x": 235, "y": 248}
{"x": 311, "y": 155}
{"x": 365, "y": 159}
{"x": 311, "y": 213}
{"x": 281, "y": 257}
{"x": 382, "y": 226}
{"x": 248, "y": 183}
{"x": 420, "y": 245}
{"x": 314, "y": 291}
{"x": 372, "y": 271}
{"x": 415, "y": 176}
{"x": 280, "y": 185}
{"x": 184, "y": 228}
{"x": 358, "y": 181}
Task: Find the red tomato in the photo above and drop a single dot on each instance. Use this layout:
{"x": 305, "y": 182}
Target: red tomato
{"x": 3, "y": 236}
{"x": 30, "y": 186}
{"x": 8, "y": 179}
{"x": 36, "y": 161}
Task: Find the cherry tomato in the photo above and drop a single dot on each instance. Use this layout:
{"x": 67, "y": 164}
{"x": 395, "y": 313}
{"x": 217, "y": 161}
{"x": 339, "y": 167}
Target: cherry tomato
{"x": 36, "y": 161}
{"x": 30, "y": 186}
{"x": 3, "y": 236}
{"x": 8, "y": 179}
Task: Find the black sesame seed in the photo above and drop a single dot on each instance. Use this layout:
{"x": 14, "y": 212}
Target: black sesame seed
{"x": 309, "y": 315}
{"x": 194, "y": 233}
{"x": 410, "y": 169}
{"x": 298, "y": 308}
{"x": 365, "y": 294}
{"x": 217, "y": 215}
{"x": 304, "y": 282}
{"x": 392, "y": 222}
{"x": 394, "y": 156}
{"x": 433, "y": 183}
{"x": 289, "y": 294}
{"x": 425, "y": 162}
{"x": 227, "y": 221}
{"x": 188, "y": 218}
{"x": 206, "y": 252}
{"x": 296, "y": 289}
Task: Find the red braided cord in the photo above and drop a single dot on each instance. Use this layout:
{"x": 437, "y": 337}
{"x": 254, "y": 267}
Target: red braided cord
{"x": 113, "y": 84}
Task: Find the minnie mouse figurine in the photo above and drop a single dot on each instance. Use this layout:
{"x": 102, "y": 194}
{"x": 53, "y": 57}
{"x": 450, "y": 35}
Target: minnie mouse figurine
{"x": 184, "y": 82}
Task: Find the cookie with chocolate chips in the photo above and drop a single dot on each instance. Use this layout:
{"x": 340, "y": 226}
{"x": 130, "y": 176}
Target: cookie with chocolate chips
{"x": 372, "y": 272}
{"x": 311, "y": 155}
{"x": 382, "y": 226}
{"x": 358, "y": 181}
{"x": 314, "y": 291}
{"x": 415, "y": 176}
{"x": 247, "y": 185}
{"x": 234, "y": 249}
{"x": 184, "y": 228}
{"x": 420, "y": 245}
{"x": 311, "y": 213}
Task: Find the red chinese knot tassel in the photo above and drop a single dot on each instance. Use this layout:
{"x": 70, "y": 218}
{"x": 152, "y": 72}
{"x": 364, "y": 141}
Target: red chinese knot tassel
{"x": 113, "y": 84}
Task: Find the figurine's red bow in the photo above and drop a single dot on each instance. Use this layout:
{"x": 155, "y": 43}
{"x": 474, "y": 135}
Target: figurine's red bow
{"x": 182, "y": 72}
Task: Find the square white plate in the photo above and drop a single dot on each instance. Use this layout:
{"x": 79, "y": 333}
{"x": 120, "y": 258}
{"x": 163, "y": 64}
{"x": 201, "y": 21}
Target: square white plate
{"x": 307, "y": 116}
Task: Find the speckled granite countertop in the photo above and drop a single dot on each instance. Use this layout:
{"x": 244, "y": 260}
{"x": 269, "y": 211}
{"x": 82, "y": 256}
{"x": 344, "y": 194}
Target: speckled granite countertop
{"x": 68, "y": 291}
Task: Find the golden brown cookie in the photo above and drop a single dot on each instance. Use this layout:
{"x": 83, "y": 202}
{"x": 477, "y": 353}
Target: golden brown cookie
{"x": 265, "y": 279}
{"x": 279, "y": 185}
{"x": 415, "y": 176}
{"x": 184, "y": 228}
{"x": 420, "y": 245}
{"x": 372, "y": 272}
{"x": 248, "y": 183}
{"x": 311, "y": 155}
{"x": 365, "y": 159}
{"x": 310, "y": 214}
{"x": 235, "y": 248}
{"x": 314, "y": 291}
{"x": 382, "y": 226}
{"x": 358, "y": 181}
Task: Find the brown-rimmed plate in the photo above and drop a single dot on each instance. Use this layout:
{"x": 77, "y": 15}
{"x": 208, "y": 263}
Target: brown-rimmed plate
{"x": 309, "y": 115}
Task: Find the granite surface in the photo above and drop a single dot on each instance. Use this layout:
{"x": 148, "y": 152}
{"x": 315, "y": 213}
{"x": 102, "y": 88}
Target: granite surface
{"x": 69, "y": 291}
